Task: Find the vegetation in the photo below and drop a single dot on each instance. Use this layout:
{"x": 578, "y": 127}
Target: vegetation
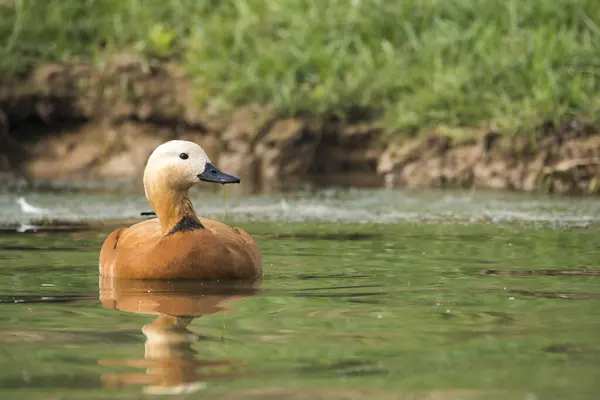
{"x": 419, "y": 63}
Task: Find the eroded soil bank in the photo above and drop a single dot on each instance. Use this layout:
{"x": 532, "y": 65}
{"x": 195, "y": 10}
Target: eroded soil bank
{"x": 79, "y": 122}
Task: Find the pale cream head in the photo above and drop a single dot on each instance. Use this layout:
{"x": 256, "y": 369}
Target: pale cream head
{"x": 175, "y": 165}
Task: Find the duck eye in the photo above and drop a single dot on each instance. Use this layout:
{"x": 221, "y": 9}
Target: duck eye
{"x": 184, "y": 156}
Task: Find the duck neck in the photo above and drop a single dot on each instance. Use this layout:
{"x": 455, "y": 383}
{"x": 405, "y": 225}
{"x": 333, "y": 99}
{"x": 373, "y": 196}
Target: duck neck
{"x": 173, "y": 208}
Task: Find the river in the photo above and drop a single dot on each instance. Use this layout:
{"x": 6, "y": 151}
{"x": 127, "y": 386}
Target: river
{"x": 367, "y": 294}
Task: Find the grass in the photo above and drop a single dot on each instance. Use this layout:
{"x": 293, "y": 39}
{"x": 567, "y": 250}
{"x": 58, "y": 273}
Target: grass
{"x": 417, "y": 63}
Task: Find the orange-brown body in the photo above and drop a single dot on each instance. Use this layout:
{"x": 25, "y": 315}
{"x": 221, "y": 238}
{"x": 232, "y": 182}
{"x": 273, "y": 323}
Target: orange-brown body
{"x": 213, "y": 252}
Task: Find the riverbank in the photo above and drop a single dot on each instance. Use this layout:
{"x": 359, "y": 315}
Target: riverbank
{"x": 53, "y": 129}
{"x": 442, "y": 93}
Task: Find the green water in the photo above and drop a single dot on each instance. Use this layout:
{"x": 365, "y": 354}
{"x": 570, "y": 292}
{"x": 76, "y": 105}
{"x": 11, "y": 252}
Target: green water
{"x": 369, "y": 295}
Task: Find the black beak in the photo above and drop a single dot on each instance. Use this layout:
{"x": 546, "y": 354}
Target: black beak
{"x": 212, "y": 174}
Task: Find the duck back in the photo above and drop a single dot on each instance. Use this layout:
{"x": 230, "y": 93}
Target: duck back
{"x": 212, "y": 250}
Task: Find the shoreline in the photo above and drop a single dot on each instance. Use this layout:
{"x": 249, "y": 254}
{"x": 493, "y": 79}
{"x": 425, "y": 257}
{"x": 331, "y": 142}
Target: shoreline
{"x": 71, "y": 121}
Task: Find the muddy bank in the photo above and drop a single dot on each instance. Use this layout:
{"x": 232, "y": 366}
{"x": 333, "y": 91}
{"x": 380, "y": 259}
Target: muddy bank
{"x": 80, "y": 122}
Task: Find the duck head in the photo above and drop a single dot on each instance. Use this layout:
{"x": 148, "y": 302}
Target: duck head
{"x": 179, "y": 164}
{"x": 172, "y": 169}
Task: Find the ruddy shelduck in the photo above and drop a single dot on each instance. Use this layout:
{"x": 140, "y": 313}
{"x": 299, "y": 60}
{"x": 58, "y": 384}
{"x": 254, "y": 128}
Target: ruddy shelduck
{"x": 178, "y": 244}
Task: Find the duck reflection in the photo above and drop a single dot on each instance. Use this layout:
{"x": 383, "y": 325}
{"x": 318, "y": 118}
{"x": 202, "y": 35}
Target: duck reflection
{"x": 170, "y": 360}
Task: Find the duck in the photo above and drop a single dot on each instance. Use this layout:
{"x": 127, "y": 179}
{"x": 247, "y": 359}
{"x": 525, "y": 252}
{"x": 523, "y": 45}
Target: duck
{"x": 178, "y": 244}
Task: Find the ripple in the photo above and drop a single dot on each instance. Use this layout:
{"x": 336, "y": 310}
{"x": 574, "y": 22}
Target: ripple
{"x": 342, "y": 206}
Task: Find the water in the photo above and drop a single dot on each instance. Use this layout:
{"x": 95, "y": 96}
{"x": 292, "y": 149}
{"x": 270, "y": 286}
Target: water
{"x": 367, "y": 294}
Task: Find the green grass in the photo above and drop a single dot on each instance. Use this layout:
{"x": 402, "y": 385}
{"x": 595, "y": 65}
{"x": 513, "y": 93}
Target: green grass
{"x": 418, "y": 63}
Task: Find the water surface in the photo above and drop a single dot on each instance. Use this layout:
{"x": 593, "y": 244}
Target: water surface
{"x": 367, "y": 294}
